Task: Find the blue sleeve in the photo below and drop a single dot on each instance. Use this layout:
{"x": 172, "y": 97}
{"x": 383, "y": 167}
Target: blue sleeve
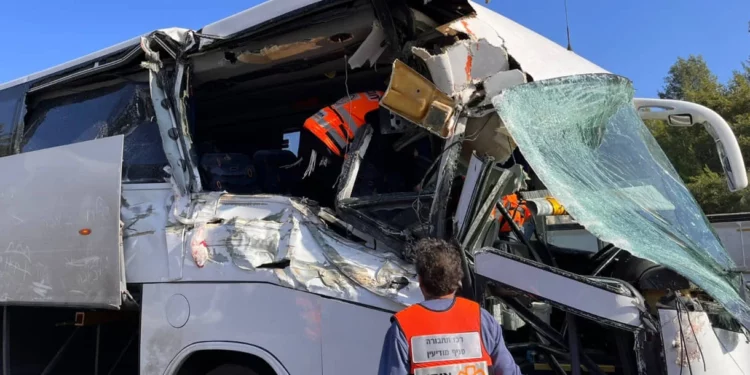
{"x": 394, "y": 358}
{"x": 492, "y": 336}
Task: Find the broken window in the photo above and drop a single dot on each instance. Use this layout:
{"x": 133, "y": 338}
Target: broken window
{"x": 7, "y": 117}
{"x": 11, "y": 101}
{"x": 122, "y": 109}
{"x": 588, "y": 145}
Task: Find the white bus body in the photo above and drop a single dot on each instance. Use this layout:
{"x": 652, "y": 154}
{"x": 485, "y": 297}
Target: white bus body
{"x": 125, "y": 256}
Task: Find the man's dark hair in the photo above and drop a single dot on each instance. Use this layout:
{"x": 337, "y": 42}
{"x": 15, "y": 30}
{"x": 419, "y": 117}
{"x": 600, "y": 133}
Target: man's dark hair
{"x": 438, "y": 263}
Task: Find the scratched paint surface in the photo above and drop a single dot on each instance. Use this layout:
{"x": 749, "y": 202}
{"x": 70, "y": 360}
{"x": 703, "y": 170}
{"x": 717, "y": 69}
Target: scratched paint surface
{"x": 267, "y": 237}
{"x": 44, "y": 258}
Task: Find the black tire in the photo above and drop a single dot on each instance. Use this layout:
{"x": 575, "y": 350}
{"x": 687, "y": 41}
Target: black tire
{"x": 232, "y": 369}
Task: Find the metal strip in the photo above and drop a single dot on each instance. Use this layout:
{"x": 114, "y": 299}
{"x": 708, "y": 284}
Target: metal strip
{"x": 131, "y": 55}
{"x": 613, "y": 308}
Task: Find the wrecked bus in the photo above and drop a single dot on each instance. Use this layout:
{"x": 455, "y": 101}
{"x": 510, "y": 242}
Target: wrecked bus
{"x": 158, "y": 217}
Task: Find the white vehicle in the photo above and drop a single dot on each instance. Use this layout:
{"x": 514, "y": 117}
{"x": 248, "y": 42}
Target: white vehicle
{"x": 154, "y": 226}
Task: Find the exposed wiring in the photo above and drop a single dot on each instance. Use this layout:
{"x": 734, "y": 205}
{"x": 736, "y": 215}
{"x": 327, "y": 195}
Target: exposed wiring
{"x": 472, "y": 137}
{"x": 700, "y": 350}
{"x": 418, "y": 201}
{"x": 683, "y": 345}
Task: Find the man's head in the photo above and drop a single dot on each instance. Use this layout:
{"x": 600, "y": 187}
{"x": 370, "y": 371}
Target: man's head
{"x": 438, "y": 267}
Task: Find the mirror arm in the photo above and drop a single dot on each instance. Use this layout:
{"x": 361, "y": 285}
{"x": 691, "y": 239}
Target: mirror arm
{"x": 726, "y": 142}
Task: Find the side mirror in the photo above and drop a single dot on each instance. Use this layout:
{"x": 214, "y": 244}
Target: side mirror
{"x": 683, "y": 114}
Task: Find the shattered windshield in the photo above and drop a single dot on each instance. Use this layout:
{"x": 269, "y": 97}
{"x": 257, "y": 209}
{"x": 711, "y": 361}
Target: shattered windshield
{"x": 584, "y": 139}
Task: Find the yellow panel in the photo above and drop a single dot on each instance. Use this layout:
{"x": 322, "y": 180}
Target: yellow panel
{"x": 416, "y": 99}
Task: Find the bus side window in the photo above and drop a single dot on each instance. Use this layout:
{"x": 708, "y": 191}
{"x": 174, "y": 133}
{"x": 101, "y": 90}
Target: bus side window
{"x": 7, "y": 117}
{"x": 123, "y": 109}
{"x": 11, "y": 102}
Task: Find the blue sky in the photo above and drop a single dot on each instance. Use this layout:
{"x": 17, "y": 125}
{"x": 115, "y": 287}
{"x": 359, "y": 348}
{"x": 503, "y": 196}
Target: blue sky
{"x": 638, "y": 39}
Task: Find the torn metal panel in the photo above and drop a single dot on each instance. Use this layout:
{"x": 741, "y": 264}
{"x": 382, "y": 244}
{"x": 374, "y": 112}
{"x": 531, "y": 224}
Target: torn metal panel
{"x": 282, "y": 240}
{"x": 415, "y": 98}
{"x": 182, "y": 37}
{"x": 379, "y": 272}
{"x": 330, "y": 218}
{"x": 464, "y": 63}
{"x": 501, "y": 81}
{"x": 491, "y": 87}
{"x": 248, "y": 244}
{"x": 371, "y": 49}
{"x": 487, "y": 136}
{"x": 692, "y": 345}
{"x": 352, "y": 162}
{"x": 468, "y": 61}
{"x": 396, "y": 218}
{"x": 273, "y": 53}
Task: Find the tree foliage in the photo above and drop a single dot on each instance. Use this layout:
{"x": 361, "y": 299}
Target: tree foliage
{"x": 692, "y": 150}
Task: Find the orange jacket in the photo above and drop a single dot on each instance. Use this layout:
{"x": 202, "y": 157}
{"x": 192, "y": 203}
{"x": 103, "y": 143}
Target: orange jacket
{"x": 336, "y": 125}
{"x": 518, "y": 211}
{"x": 448, "y": 341}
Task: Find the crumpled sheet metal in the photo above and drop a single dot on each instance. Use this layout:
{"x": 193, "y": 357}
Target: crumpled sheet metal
{"x": 283, "y": 236}
{"x": 371, "y": 49}
{"x": 588, "y": 145}
{"x": 467, "y": 61}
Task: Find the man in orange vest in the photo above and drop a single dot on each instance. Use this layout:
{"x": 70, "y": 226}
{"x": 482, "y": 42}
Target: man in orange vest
{"x": 324, "y": 140}
{"x": 326, "y": 137}
{"x": 444, "y": 334}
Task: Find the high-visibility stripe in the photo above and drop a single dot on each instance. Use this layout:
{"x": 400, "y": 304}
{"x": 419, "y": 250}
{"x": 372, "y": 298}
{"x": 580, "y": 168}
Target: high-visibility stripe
{"x": 322, "y": 130}
{"x": 332, "y": 133}
{"x": 351, "y": 125}
{"x": 336, "y": 125}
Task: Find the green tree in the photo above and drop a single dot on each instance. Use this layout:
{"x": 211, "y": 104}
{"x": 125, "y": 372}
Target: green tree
{"x": 692, "y": 150}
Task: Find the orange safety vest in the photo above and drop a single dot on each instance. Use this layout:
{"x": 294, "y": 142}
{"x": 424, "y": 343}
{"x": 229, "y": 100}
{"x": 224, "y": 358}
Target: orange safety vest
{"x": 445, "y": 342}
{"x": 518, "y": 211}
{"x": 337, "y": 124}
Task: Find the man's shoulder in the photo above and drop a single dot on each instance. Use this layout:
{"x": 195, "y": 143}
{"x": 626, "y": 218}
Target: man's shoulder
{"x": 486, "y": 315}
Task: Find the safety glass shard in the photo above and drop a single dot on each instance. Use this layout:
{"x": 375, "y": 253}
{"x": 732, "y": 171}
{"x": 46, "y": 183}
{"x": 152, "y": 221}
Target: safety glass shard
{"x": 586, "y": 142}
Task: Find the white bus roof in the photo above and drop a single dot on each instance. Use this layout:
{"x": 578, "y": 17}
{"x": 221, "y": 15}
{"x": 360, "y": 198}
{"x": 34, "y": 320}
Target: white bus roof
{"x": 228, "y": 26}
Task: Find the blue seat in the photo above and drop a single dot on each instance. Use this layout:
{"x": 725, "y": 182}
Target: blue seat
{"x": 232, "y": 172}
{"x": 275, "y": 170}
